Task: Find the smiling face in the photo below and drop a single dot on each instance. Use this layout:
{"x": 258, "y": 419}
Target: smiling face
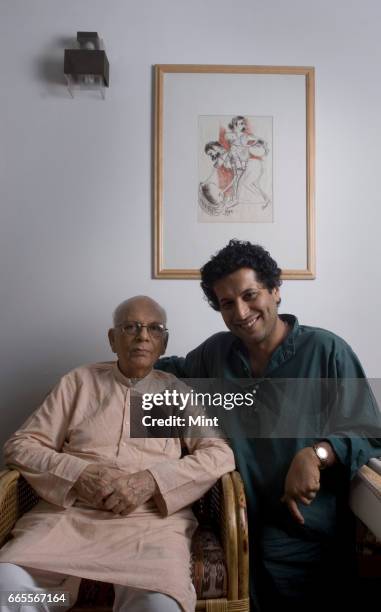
{"x": 137, "y": 353}
{"x": 249, "y": 309}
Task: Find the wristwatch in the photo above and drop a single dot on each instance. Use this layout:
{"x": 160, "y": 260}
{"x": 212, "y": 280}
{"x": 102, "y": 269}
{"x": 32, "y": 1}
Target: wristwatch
{"x": 322, "y": 454}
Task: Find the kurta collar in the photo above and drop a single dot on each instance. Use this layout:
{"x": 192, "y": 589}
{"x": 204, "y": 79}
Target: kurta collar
{"x": 130, "y": 382}
{"x": 286, "y": 350}
{"x": 282, "y": 353}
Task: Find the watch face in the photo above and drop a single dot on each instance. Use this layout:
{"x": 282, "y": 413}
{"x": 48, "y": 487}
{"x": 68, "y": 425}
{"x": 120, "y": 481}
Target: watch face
{"x": 322, "y": 453}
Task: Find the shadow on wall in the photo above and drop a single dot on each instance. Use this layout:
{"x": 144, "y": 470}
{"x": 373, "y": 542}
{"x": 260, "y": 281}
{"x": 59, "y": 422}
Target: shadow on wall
{"x": 48, "y": 68}
{"x": 25, "y": 386}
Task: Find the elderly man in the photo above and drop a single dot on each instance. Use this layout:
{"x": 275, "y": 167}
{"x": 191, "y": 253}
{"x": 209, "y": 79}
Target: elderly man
{"x": 113, "y": 508}
{"x": 296, "y": 480}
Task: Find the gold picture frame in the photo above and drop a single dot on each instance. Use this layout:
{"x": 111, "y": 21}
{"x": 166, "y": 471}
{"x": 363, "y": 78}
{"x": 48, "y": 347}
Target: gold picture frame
{"x": 197, "y": 99}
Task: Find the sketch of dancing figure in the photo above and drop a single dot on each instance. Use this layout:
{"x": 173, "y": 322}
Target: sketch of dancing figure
{"x": 246, "y": 155}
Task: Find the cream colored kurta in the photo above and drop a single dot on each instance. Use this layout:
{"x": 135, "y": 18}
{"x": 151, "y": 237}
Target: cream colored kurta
{"x": 85, "y": 419}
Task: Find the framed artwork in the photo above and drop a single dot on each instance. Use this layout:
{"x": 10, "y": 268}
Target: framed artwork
{"x": 234, "y": 158}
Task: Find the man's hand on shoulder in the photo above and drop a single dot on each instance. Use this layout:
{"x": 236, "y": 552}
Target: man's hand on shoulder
{"x": 130, "y": 491}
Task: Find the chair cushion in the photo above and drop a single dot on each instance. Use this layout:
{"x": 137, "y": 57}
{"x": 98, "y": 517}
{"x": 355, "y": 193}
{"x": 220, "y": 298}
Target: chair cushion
{"x": 208, "y": 565}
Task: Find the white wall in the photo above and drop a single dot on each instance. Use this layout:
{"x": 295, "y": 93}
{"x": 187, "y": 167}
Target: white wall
{"x": 76, "y": 175}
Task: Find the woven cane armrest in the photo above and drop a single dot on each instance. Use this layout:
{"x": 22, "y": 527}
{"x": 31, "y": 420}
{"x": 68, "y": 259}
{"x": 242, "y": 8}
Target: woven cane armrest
{"x": 16, "y": 497}
{"x": 8, "y": 502}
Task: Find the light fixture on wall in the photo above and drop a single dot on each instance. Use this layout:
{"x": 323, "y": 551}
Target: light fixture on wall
{"x": 87, "y": 67}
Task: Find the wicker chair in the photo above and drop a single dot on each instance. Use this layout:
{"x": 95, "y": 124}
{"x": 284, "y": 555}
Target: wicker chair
{"x": 220, "y": 563}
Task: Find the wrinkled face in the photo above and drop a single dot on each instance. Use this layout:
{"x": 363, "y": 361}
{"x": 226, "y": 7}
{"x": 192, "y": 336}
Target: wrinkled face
{"x": 249, "y": 309}
{"x": 137, "y": 353}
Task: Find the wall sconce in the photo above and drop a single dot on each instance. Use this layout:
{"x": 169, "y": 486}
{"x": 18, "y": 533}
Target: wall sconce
{"x": 87, "y": 67}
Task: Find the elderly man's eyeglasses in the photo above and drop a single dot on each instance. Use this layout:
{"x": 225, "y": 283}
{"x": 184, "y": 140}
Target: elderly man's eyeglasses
{"x": 134, "y": 328}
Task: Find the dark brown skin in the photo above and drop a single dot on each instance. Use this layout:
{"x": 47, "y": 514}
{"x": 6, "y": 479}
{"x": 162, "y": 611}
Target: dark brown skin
{"x": 303, "y": 479}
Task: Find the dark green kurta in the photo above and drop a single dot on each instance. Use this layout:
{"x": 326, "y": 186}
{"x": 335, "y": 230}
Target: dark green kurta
{"x": 296, "y": 557}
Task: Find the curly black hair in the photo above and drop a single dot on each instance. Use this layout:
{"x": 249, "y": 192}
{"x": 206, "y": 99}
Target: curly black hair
{"x": 235, "y": 255}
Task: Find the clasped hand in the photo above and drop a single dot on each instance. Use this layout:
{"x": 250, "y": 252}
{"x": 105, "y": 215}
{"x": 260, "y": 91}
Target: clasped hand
{"x": 112, "y": 489}
{"x": 302, "y": 482}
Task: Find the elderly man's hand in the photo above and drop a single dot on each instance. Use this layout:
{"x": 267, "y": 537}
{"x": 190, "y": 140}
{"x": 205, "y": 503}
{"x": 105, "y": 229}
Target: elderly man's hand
{"x": 302, "y": 481}
{"x": 95, "y": 483}
{"x": 130, "y": 492}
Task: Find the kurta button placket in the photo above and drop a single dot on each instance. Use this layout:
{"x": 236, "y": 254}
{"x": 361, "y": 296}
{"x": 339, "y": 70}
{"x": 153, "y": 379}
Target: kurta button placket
{"x": 125, "y": 433}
